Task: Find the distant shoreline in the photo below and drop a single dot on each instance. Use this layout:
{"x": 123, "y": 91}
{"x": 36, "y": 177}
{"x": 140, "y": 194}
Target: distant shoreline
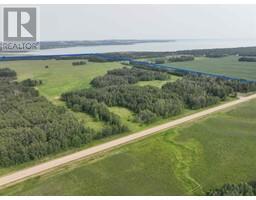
{"x": 122, "y": 46}
{"x": 44, "y": 45}
{"x": 86, "y": 43}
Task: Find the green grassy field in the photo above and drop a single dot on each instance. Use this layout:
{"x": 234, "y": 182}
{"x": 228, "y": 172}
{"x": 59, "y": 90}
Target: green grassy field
{"x": 227, "y": 65}
{"x": 61, "y": 76}
{"x": 187, "y": 160}
{"x": 158, "y": 83}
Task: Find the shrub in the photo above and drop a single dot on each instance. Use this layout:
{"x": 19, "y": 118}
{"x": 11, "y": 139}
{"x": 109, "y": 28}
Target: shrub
{"x": 145, "y": 116}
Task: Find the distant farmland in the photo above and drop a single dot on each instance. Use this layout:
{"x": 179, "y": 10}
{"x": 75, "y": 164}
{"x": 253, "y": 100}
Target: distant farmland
{"x": 229, "y": 66}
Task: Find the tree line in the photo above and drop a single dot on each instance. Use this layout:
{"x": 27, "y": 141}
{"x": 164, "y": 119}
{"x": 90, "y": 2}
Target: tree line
{"x": 247, "y": 59}
{"x": 241, "y": 189}
{"x": 117, "y": 88}
{"x": 6, "y": 73}
{"x": 79, "y": 63}
{"x": 219, "y": 52}
{"x": 174, "y": 58}
{"x": 97, "y": 110}
{"x": 31, "y": 83}
{"x": 200, "y": 91}
{"x": 181, "y": 58}
{"x": 31, "y": 127}
{"x": 127, "y": 76}
{"x": 136, "y": 98}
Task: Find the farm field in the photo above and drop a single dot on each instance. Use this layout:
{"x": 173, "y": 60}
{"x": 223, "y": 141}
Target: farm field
{"x": 229, "y": 66}
{"x": 187, "y": 160}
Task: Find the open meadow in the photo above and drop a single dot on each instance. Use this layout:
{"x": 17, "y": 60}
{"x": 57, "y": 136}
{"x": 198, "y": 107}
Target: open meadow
{"x": 187, "y": 160}
{"x": 229, "y": 66}
{"x": 60, "y": 76}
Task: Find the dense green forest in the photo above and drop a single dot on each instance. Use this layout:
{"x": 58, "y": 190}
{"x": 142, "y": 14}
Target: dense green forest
{"x": 148, "y": 102}
{"x": 127, "y": 76}
{"x": 90, "y": 58}
{"x": 30, "y": 126}
{"x": 159, "y": 61}
{"x": 241, "y": 189}
{"x": 247, "y": 59}
{"x": 201, "y": 91}
{"x": 180, "y": 58}
{"x": 175, "y": 58}
{"x": 133, "y": 97}
{"x": 116, "y": 89}
{"x": 7, "y": 74}
{"x": 99, "y": 111}
{"x": 31, "y": 83}
{"x": 79, "y": 63}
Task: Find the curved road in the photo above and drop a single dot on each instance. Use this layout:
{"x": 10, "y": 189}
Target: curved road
{"x": 44, "y": 167}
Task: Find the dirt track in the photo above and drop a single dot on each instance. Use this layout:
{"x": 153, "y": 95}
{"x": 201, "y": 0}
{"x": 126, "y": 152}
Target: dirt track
{"x": 44, "y": 167}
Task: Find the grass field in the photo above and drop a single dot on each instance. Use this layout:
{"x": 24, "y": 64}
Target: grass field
{"x": 228, "y": 66}
{"x": 186, "y": 160}
{"x": 158, "y": 83}
{"x": 61, "y": 76}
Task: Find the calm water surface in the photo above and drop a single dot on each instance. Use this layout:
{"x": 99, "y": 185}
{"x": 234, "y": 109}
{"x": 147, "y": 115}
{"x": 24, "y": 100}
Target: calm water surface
{"x": 161, "y": 46}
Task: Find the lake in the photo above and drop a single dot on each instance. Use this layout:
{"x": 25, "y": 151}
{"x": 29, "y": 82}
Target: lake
{"x": 160, "y": 46}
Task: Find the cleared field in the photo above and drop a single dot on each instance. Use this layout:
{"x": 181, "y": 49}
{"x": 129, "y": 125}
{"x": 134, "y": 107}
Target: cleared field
{"x": 186, "y": 160}
{"x": 158, "y": 83}
{"x": 61, "y": 76}
{"x": 229, "y": 66}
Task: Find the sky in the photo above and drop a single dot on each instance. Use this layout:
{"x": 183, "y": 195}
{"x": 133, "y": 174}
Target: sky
{"x": 99, "y": 22}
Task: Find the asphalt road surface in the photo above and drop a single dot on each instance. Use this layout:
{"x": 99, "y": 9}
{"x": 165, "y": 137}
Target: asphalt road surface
{"x": 50, "y": 165}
